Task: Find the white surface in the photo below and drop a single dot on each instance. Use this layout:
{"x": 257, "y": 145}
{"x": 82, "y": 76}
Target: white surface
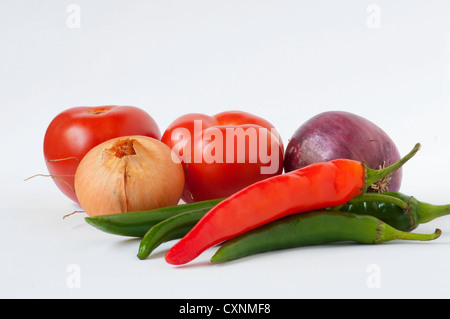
{"x": 283, "y": 60}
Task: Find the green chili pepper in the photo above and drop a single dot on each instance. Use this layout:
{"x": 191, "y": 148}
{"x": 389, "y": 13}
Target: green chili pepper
{"x": 398, "y": 210}
{"x": 172, "y": 228}
{"x": 314, "y": 228}
{"x": 401, "y": 211}
{"x": 136, "y": 224}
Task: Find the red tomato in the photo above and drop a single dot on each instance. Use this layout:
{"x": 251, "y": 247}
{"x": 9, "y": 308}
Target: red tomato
{"x": 75, "y": 131}
{"x": 224, "y": 153}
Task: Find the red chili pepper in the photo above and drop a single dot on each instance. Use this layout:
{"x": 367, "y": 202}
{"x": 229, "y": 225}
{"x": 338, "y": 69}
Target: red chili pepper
{"x": 313, "y": 187}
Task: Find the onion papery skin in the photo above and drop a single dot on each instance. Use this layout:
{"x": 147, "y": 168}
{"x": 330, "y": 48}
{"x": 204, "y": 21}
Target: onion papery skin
{"x": 113, "y": 178}
{"x": 338, "y": 134}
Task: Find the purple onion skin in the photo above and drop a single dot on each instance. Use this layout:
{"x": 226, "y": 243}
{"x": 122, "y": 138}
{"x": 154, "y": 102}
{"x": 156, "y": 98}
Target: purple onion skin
{"x": 337, "y": 134}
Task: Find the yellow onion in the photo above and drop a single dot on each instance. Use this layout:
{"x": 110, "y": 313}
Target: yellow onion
{"x": 125, "y": 174}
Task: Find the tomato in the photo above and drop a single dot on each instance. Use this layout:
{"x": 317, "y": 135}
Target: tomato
{"x": 224, "y": 153}
{"x": 75, "y": 131}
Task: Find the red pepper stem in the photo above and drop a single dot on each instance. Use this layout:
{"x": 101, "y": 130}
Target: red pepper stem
{"x": 373, "y": 176}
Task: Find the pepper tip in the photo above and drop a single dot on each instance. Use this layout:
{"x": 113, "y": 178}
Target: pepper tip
{"x": 173, "y": 258}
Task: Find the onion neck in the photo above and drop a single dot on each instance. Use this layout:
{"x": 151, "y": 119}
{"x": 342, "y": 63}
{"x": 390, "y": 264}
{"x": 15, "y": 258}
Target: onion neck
{"x": 123, "y": 148}
{"x": 373, "y": 176}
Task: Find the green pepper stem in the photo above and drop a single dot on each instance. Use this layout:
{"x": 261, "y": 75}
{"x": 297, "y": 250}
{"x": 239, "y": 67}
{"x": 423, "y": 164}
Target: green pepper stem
{"x": 373, "y": 176}
{"x": 379, "y": 197}
{"x": 388, "y": 233}
{"x": 427, "y": 212}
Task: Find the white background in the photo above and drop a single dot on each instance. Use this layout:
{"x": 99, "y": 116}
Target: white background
{"x": 283, "y": 60}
